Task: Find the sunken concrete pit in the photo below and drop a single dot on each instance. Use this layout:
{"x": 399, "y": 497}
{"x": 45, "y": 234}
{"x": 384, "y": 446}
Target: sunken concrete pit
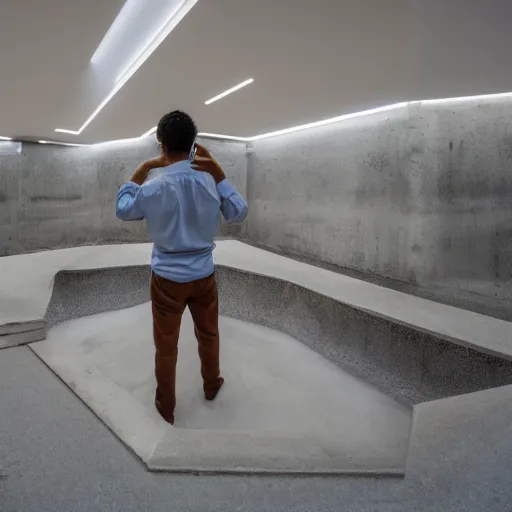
{"x": 284, "y": 407}
{"x": 316, "y": 381}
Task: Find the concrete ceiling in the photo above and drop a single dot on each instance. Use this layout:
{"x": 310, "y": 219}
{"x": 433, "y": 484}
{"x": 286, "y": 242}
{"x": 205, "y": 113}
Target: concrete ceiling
{"x": 310, "y": 60}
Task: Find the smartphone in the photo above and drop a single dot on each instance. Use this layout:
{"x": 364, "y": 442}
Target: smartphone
{"x": 193, "y": 152}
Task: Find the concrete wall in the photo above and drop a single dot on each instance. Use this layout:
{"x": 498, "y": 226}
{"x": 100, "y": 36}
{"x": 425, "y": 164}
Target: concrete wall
{"x": 420, "y": 194}
{"x": 55, "y": 196}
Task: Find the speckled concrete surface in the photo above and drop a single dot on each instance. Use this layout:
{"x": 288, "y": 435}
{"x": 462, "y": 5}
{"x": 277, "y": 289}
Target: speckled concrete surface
{"x": 88, "y": 292}
{"x": 283, "y": 407}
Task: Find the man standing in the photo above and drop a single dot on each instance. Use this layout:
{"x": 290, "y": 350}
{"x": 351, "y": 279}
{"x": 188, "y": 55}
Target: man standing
{"x": 182, "y": 207}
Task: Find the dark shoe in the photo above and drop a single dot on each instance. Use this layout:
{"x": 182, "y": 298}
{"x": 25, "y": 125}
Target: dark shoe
{"x": 211, "y": 394}
{"x": 167, "y": 418}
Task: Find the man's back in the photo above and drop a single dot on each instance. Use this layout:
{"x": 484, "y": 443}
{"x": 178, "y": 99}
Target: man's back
{"x": 182, "y": 207}
{"x": 182, "y": 210}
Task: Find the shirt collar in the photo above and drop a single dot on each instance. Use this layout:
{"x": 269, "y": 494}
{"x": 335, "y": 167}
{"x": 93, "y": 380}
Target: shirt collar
{"x": 177, "y": 166}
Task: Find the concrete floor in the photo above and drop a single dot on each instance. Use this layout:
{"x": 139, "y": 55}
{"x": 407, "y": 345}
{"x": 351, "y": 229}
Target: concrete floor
{"x": 273, "y": 384}
{"x": 56, "y": 456}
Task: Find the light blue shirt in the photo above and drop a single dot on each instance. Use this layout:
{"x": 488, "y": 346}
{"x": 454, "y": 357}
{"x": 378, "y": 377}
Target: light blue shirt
{"x": 182, "y": 209}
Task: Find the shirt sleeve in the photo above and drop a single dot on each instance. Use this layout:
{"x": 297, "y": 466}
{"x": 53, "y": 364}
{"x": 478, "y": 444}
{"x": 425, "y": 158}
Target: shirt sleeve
{"x": 129, "y": 202}
{"x": 233, "y": 206}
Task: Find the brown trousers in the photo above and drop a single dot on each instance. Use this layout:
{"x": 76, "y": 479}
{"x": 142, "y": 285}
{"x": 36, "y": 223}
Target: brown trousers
{"x": 169, "y": 300}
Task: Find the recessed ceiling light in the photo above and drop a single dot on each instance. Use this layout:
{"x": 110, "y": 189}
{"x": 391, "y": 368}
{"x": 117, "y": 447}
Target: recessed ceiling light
{"x": 131, "y": 139}
{"x": 149, "y": 132}
{"x": 229, "y": 91}
{"x": 53, "y": 142}
{"x": 113, "y": 30}
{"x": 156, "y": 39}
{"x": 63, "y": 130}
{"x": 219, "y": 136}
{"x": 5, "y": 138}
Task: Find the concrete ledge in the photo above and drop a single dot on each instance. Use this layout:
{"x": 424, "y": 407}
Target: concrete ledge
{"x": 26, "y": 284}
{"x": 20, "y": 327}
{"x": 483, "y": 333}
{"x": 262, "y": 452}
{"x": 23, "y": 337}
{"x": 26, "y": 281}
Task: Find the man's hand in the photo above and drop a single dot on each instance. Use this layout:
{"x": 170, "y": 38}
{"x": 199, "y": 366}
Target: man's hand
{"x": 204, "y": 161}
{"x": 140, "y": 175}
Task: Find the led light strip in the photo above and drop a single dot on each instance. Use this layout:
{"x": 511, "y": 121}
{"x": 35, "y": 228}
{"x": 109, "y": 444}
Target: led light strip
{"x": 220, "y": 136}
{"x": 111, "y": 34}
{"x": 300, "y": 127}
{"x": 61, "y": 143}
{"x": 229, "y": 91}
{"x": 465, "y": 98}
{"x": 328, "y": 121}
{"x": 63, "y": 130}
{"x": 356, "y": 114}
{"x": 165, "y": 29}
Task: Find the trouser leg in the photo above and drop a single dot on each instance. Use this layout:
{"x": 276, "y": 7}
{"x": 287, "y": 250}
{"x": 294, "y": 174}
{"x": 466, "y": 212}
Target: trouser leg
{"x": 204, "y": 307}
{"x": 168, "y": 303}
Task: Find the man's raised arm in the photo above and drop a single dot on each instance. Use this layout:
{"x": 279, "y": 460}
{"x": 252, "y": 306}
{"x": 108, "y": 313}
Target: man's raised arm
{"x": 233, "y": 206}
{"x": 130, "y": 197}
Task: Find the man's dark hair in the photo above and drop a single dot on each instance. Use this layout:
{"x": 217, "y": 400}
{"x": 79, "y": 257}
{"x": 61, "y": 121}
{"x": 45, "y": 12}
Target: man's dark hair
{"x": 177, "y": 132}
